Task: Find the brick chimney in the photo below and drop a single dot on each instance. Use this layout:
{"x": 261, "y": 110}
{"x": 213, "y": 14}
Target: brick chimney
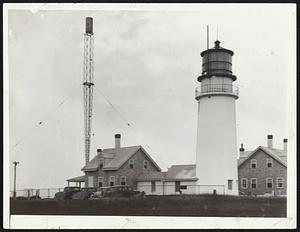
{"x": 117, "y": 140}
{"x": 285, "y": 144}
{"x": 242, "y": 149}
{"x": 270, "y": 141}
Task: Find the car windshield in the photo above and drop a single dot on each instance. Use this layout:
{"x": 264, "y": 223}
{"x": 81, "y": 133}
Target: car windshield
{"x": 70, "y": 188}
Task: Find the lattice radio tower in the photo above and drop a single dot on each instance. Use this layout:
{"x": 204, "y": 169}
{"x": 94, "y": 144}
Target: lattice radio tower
{"x": 88, "y": 83}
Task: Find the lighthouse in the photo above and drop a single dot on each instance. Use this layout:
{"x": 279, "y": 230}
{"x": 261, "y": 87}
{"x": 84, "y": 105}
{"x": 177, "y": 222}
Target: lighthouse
{"x": 216, "y": 152}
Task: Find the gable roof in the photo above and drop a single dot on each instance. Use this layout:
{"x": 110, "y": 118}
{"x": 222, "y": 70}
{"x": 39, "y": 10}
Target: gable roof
{"x": 174, "y": 173}
{"x": 182, "y": 172}
{"x": 277, "y": 154}
{"x": 117, "y": 156}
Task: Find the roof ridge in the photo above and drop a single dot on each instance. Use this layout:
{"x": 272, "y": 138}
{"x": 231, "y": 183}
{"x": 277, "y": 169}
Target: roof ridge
{"x": 182, "y": 165}
{"x": 113, "y": 148}
{"x": 277, "y": 157}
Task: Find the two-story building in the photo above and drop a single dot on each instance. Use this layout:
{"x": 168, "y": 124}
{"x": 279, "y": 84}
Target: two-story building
{"x": 263, "y": 170}
{"x": 118, "y": 166}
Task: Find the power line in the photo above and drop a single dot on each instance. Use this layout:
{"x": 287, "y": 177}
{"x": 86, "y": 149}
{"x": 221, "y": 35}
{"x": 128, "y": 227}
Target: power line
{"x": 128, "y": 124}
{"x": 43, "y": 121}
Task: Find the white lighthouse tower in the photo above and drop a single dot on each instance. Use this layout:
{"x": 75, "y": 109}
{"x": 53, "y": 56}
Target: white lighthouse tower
{"x": 216, "y": 161}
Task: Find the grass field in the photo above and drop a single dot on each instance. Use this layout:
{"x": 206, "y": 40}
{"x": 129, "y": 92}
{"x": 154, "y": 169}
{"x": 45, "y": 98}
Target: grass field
{"x": 185, "y": 205}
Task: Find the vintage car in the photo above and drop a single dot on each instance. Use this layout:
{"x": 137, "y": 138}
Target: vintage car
{"x": 83, "y": 194}
{"x": 120, "y": 191}
{"x": 99, "y": 193}
{"x": 66, "y": 194}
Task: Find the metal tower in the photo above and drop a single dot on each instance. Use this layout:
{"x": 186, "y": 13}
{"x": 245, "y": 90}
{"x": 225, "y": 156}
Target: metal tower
{"x": 88, "y": 82}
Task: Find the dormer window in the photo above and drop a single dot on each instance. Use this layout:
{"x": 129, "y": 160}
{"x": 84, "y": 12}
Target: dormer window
{"x": 131, "y": 162}
{"x": 269, "y": 163}
{"x": 145, "y": 164}
{"x": 253, "y": 163}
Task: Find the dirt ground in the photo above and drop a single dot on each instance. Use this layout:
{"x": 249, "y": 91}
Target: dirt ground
{"x": 203, "y": 206}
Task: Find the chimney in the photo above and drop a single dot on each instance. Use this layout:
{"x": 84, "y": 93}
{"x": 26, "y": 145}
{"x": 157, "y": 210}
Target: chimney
{"x": 242, "y": 149}
{"x": 270, "y": 141}
{"x": 285, "y": 144}
{"x": 117, "y": 140}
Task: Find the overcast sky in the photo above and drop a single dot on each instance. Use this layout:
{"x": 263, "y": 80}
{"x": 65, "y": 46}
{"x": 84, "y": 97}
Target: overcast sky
{"x": 146, "y": 65}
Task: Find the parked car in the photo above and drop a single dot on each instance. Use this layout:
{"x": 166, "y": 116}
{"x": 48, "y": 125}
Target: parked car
{"x": 120, "y": 191}
{"x": 83, "y": 194}
{"x": 98, "y": 194}
{"x": 67, "y": 193}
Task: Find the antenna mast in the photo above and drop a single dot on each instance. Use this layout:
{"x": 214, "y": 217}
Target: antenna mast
{"x": 88, "y": 83}
{"x": 207, "y": 36}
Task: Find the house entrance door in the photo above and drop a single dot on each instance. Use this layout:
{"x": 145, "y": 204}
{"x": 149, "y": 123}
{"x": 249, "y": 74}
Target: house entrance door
{"x": 90, "y": 181}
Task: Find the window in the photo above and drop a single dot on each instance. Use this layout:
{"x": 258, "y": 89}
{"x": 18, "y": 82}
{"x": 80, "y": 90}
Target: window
{"x": 253, "y": 183}
{"x": 123, "y": 180}
{"x": 100, "y": 181}
{"x": 101, "y": 163}
{"x": 269, "y": 163}
{"x": 145, "y": 164}
{"x": 269, "y": 182}
{"x": 253, "y": 163}
{"x": 131, "y": 162}
{"x": 153, "y": 186}
{"x": 230, "y": 184}
{"x": 177, "y": 186}
{"x": 280, "y": 182}
{"x": 112, "y": 180}
{"x": 244, "y": 184}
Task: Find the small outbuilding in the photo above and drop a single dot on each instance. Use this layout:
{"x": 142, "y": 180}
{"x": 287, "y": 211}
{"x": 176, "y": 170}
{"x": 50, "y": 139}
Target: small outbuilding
{"x": 179, "y": 179}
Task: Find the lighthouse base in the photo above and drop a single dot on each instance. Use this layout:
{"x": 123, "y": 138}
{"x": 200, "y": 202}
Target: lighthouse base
{"x": 216, "y": 190}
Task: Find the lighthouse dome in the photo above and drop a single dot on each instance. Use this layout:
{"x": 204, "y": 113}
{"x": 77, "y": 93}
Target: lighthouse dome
{"x": 217, "y": 61}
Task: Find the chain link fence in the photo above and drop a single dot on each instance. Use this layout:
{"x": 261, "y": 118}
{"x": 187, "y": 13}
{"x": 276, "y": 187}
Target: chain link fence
{"x": 180, "y": 189}
{"x": 148, "y": 189}
{"x": 43, "y": 193}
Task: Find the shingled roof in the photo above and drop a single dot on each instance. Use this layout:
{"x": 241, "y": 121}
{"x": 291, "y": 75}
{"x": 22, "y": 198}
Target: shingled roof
{"x": 277, "y": 154}
{"x": 117, "y": 156}
{"x": 174, "y": 173}
{"x": 182, "y": 172}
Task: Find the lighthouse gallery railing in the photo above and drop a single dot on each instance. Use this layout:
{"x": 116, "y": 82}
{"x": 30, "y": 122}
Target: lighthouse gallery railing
{"x": 217, "y": 88}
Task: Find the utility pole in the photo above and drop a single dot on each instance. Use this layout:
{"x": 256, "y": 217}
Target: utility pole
{"x": 15, "y": 178}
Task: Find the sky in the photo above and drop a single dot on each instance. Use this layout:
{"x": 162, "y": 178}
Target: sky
{"x": 146, "y": 66}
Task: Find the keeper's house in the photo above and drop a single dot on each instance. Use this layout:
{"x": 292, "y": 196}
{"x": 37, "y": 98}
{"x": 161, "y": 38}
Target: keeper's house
{"x": 263, "y": 171}
{"x": 133, "y": 166}
{"x": 118, "y": 166}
